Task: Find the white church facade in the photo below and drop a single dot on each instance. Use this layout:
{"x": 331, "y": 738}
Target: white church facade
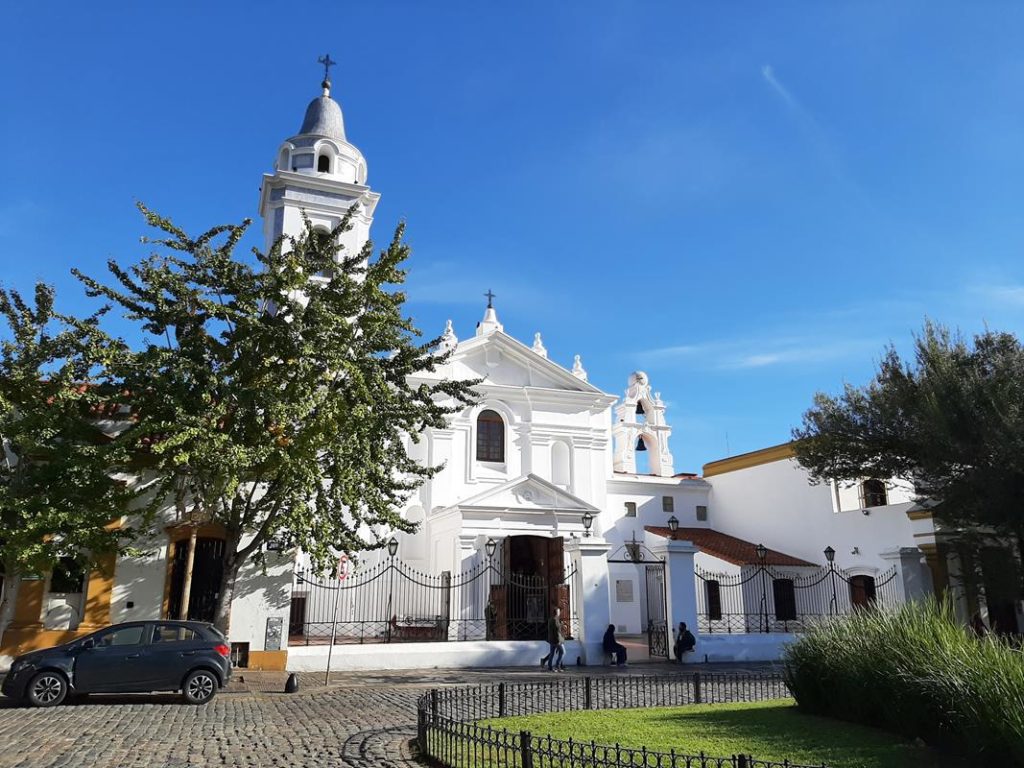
{"x": 542, "y": 504}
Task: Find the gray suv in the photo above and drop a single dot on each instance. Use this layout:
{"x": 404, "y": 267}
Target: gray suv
{"x": 135, "y": 657}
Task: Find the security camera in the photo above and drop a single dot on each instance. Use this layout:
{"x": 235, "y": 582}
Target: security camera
{"x": 865, "y": 511}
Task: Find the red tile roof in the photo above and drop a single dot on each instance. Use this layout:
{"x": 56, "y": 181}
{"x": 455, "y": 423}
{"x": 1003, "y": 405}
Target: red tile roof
{"x": 725, "y": 547}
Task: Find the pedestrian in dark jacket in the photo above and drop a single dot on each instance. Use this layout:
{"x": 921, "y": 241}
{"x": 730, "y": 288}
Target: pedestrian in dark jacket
{"x": 685, "y": 641}
{"x": 612, "y": 646}
{"x": 556, "y": 639}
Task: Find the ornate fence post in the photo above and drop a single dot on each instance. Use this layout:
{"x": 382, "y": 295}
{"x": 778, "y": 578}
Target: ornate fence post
{"x": 697, "y": 697}
{"x": 501, "y": 699}
{"x": 433, "y": 706}
{"x": 525, "y": 750}
{"x": 588, "y": 701}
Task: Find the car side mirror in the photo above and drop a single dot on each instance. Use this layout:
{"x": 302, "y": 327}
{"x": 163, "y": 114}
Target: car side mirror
{"x": 87, "y": 644}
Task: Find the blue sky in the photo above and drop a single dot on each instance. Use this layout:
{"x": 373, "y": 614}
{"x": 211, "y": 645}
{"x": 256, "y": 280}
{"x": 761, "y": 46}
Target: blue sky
{"x": 746, "y": 201}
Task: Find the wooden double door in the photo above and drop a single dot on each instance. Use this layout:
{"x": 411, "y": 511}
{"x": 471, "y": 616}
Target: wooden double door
{"x": 532, "y": 583}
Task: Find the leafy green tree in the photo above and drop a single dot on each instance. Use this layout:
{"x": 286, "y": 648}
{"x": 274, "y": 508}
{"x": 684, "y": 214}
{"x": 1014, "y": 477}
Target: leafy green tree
{"x": 59, "y": 492}
{"x": 272, "y": 397}
{"x": 951, "y": 420}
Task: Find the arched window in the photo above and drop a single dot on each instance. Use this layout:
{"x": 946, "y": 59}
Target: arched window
{"x": 785, "y": 599}
{"x": 560, "y": 464}
{"x": 862, "y": 591}
{"x": 323, "y": 164}
{"x": 320, "y": 241}
{"x": 490, "y": 437}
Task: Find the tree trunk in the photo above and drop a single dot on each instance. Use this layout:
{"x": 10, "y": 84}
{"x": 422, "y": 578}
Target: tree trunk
{"x": 222, "y": 616}
{"x": 186, "y": 589}
{"x": 12, "y": 580}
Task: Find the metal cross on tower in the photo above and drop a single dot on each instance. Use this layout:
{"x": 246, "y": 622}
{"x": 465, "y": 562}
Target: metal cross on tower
{"x": 490, "y": 298}
{"x": 328, "y": 63}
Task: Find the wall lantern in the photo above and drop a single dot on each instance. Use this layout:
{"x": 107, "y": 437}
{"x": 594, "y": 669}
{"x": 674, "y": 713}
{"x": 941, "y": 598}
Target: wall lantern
{"x": 830, "y": 554}
{"x": 673, "y": 525}
{"x": 588, "y": 520}
{"x": 762, "y": 552}
{"x": 490, "y": 546}
{"x": 393, "y": 547}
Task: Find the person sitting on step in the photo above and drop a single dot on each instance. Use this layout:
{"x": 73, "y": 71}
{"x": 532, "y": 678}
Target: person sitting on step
{"x": 613, "y": 647}
{"x": 685, "y": 642}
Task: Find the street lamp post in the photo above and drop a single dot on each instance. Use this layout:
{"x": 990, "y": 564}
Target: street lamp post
{"x": 762, "y": 554}
{"x": 392, "y": 551}
{"x": 830, "y": 555}
{"x": 588, "y": 520}
{"x": 673, "y": 526}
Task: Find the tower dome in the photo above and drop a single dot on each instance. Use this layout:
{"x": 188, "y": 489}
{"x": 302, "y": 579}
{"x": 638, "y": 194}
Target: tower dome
{"x": 323, "y": 116}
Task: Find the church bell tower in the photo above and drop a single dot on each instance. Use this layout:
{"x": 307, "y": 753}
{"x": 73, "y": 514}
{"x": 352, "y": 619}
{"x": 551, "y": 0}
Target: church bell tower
{"x": 318, "y": 171}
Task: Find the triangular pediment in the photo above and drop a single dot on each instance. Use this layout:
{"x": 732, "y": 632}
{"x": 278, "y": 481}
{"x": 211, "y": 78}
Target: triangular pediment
{"x": 527, "y": 493}
{"x": 502, "y": 360}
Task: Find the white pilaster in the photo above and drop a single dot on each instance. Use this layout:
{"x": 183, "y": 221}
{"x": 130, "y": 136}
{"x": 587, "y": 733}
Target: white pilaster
{"x": 589, "y": 556}
{"x": 680, "y": 589}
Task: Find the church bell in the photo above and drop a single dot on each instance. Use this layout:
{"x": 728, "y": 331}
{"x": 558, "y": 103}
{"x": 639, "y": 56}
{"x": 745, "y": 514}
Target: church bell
{"x": 640, "y": 444}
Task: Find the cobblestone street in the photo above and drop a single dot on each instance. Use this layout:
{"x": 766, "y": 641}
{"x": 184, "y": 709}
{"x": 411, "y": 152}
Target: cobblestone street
{"x": 360, "y": 720}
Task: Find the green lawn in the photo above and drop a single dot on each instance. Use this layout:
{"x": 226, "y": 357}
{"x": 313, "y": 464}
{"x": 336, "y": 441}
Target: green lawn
{"x": 771, "y": 730}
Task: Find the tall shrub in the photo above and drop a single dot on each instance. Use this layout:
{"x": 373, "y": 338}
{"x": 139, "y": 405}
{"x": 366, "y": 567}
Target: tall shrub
{"x": 916, "y": 671}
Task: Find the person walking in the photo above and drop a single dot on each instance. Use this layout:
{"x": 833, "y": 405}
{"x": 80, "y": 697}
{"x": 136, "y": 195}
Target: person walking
{"x": 612, "y": 646}
{"x": 556, "y": 640}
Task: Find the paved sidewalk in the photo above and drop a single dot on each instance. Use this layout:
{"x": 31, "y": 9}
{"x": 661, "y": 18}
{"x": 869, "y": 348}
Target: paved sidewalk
{"x": 359, "y": 720}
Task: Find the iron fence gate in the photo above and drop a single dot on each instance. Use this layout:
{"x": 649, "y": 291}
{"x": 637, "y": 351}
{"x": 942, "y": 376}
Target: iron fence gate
{"x": 657, "y": 611}
{"x": 658, "y": 619}
{"x": 763, "y": 598}
{"x": 391, "y": 602}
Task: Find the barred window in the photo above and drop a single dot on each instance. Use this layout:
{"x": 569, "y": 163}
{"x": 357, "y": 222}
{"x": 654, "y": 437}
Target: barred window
{"x": 714, "y": 602}
{"x": 873, "y": 493}
{"x": 785, "y": 599}
{"x": 67, "y": 576}
{"x": 490, "y": 437}
{"x": 668, "y": 504}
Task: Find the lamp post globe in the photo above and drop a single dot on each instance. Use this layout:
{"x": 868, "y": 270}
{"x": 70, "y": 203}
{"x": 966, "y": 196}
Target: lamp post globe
{"x": 588, "y": 520}
{"x": 490, "y": 546}
{"x": 830, "y": 554}
{"x": 673, "y": 525}
{"x": 762, "y": 552}
{"x": 393, "y": 547}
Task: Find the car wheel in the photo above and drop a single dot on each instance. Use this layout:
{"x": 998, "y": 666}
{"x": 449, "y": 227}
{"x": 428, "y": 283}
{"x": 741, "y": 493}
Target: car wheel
{"x": 47, "y": 689}
{"x": 200, "y": 686}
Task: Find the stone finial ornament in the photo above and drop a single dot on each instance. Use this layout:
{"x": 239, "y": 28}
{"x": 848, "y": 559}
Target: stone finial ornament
{"x": 538, "y": 345}
{"x": 577, "y": 369}
{"x": 448, "y": 338}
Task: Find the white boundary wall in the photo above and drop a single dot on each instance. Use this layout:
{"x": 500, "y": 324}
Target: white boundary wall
{"x": 488, "y": 653}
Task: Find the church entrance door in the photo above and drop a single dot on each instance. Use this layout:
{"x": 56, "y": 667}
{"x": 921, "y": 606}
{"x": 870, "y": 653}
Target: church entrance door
{"x": 533, "y": 568}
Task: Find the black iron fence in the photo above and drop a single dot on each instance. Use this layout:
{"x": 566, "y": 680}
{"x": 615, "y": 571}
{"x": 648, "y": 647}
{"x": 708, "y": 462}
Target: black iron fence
{"x": 773, "y": 599}
{"x": 392, "y": 602}
{"x": 448, "y": 730}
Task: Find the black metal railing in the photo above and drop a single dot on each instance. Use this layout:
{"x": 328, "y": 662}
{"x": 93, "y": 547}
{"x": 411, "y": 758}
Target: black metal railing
{"x": 762, "y": 598}
{"x": 448, "y": 729}
{"x": 392, "y": 602}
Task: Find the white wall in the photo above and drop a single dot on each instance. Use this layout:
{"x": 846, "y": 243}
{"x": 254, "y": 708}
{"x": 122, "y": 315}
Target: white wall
{"x": 776, "y": 505}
